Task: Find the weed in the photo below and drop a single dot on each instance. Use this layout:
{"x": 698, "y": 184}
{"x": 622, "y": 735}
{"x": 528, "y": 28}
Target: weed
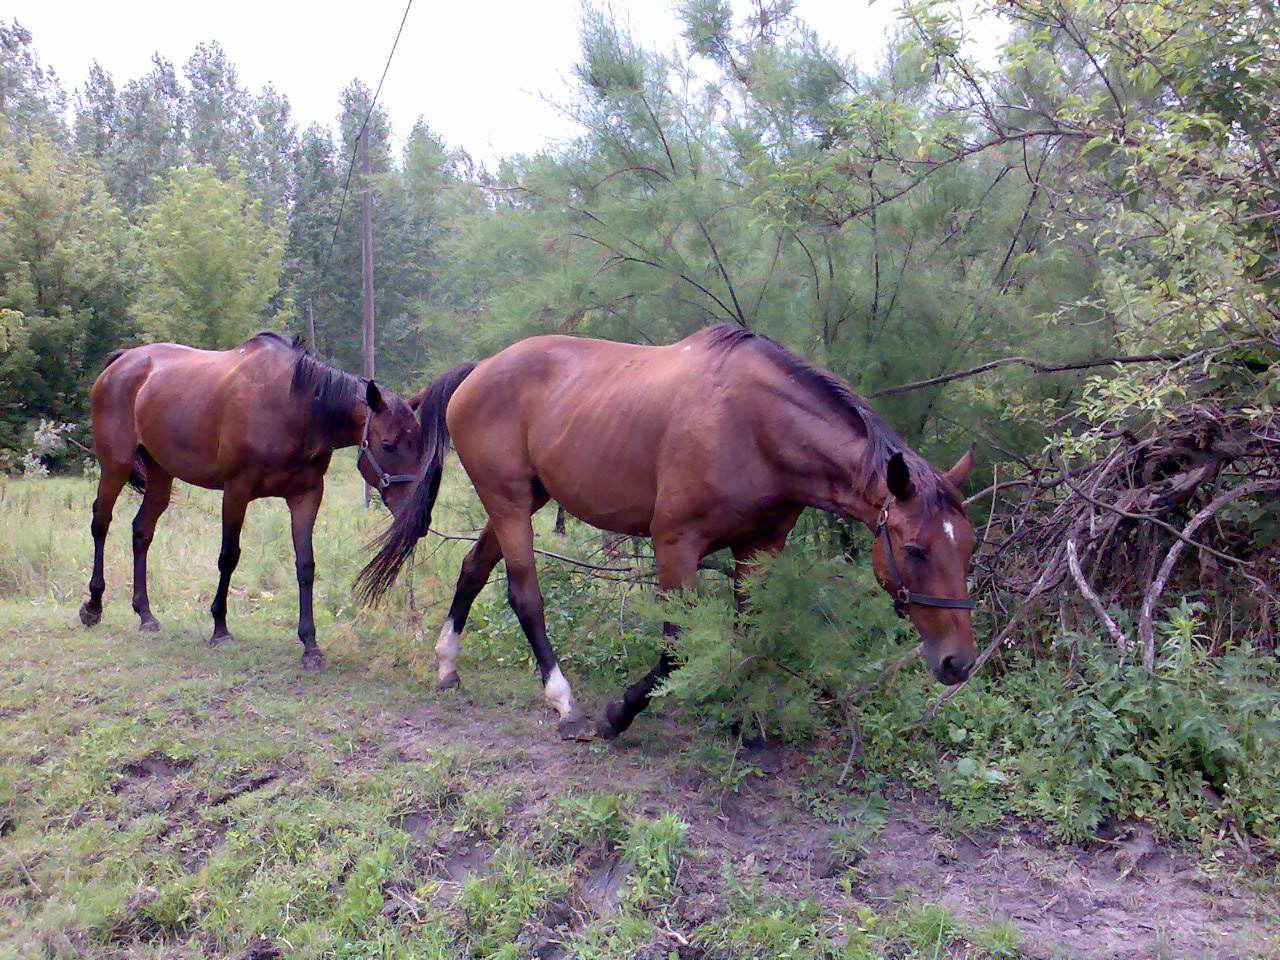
{"x": 653, "y": 848}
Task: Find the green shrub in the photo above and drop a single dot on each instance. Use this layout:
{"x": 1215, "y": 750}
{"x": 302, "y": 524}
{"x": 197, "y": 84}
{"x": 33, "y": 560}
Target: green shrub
{"x": 1184, "y": 748}
{"x": 814, "y": 629}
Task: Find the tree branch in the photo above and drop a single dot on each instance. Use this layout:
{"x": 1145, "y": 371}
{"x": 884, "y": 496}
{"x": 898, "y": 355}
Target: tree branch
{"x": 1035, "y": 365}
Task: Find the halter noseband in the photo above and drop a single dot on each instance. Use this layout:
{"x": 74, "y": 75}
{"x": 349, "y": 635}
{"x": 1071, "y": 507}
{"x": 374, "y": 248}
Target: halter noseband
{"x": 384, "y": 479}
{"x": 901, "y": 595}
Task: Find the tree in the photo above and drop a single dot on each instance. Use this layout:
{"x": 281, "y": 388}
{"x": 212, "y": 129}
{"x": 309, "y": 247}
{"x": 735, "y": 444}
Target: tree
{"x": 65, "y": 282}
{"x": 217, "y": 109}
{"x": 137, "y": 135}
{"x": 31, "y": 99}
{"x": 212, "y": 264}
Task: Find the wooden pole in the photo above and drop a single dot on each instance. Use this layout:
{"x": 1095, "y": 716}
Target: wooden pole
{"x": 311, "y": 331}
{"x": 366, "y": 264}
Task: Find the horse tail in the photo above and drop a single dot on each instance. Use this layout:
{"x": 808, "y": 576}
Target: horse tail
{"x": 113, "y": 356}
{"x": 138, "y": 474}
{"x": 395, "y": 545}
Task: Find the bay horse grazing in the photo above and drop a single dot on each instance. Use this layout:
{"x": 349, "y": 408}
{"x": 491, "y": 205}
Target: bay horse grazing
{"x": 259, "y": 420}
{"x": 718, "y": 441}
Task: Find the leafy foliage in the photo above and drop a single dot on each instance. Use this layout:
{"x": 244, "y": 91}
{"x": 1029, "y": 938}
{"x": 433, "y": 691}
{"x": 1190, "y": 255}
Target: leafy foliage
{"x": 814, "y": 630}
{"x": 212, "y": 264}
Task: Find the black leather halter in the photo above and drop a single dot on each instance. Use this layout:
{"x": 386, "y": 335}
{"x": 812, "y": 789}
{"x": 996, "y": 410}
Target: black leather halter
{"x": 901, "y": 595}
{"x": 384, "y": 479}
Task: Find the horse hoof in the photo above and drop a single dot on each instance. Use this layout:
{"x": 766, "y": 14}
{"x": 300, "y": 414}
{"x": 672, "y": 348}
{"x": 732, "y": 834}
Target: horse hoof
{"x": 90, "y": 617}
{"x": 149, "y": 626}
{"x": 221, "y": 640}
{"x": 576, "y": 728}
{"x": 610, "y": 725}
{"x": 448, "y": 682}
{"x": 312, "y": 662}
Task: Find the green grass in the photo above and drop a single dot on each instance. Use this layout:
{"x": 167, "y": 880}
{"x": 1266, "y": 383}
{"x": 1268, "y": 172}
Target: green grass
{"x": 163, "y": 799}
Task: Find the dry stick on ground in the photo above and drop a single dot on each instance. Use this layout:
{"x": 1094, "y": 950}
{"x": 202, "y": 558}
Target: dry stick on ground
{"x": 1073, "y": 563}
{"x": 1146, "y": 630}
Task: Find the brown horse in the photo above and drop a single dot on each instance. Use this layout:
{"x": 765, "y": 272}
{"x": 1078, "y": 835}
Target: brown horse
{"x": 718, "y": 441}
{"x": 260, "y": 420}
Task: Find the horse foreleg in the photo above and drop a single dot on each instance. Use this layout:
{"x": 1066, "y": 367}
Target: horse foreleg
{"x": 302, "y": 519}
{"x": 677, "y": 561}
{"x": 234, "y": 505}
{"x": 110, "y": 483}
{"x": 749, "y": 557}
{"x": 515, "y": 534}
{"x": 154, "y": 501}
{"x": 477, "y": 566}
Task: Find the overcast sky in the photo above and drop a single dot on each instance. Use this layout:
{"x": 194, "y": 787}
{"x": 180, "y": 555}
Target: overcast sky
{"x": 479, "y": 71}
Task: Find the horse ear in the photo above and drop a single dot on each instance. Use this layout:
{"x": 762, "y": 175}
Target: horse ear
{"x": 960, "y": 472}
{"x": 898, "y": 477}
{"x": 373, "y": 397}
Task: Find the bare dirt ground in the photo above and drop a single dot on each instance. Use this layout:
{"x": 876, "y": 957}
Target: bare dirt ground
{"x": 1127, "y": 896}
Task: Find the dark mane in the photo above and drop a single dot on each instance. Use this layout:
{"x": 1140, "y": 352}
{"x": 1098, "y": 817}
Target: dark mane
{"x": 332, "y": 393}
{"x": 883, "y": 443}
{"x": 272, "y": 337}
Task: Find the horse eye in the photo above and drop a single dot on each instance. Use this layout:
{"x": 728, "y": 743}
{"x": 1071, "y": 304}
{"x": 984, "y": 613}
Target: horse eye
{"x": 915, "y": 551}
{"x": 387, "y": 446}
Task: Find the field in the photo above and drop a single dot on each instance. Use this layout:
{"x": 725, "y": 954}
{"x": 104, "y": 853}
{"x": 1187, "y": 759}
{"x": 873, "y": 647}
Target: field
{"x": 163, "y": 799}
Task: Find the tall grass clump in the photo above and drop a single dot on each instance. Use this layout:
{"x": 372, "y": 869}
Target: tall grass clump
{"x": 43, "y": 524}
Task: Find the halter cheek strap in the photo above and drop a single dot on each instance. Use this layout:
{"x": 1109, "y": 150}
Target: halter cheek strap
{"x": 901, "y": 595}
{"x": 384, "y": 479}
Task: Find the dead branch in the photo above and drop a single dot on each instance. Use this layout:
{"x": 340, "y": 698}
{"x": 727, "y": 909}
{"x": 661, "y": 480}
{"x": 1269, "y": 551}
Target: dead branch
{"x": 1035, "y": 365}
{"x": 1146, "y": 631}
{"x": 1073, "y": 563}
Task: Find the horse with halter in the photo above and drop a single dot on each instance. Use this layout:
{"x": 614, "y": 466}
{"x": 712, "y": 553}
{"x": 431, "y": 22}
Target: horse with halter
{"x": 259, "y": 420}
{"x": 717, "y": 441}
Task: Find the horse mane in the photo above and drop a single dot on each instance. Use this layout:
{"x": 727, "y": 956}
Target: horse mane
{"x": 882, "y": 441}
{"x": 331, "y": 392}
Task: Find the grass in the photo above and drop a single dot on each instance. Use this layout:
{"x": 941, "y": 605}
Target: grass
{"x": 163, "y": 799}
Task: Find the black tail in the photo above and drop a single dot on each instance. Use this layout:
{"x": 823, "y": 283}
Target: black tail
{"x": 138, "y": 474}
{"x": 395, "y": 545}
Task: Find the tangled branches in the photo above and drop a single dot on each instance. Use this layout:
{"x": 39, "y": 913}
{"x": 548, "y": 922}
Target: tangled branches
{"x": 1194, "y": 507}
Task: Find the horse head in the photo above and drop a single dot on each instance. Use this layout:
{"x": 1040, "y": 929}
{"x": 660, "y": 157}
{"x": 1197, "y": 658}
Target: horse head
{"x": 390, "y": 454}
{"x": 921, "y": 556}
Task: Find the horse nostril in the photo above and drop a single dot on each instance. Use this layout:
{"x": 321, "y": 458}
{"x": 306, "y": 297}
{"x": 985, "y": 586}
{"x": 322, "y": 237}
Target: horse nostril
{"x": 952, "y": 670}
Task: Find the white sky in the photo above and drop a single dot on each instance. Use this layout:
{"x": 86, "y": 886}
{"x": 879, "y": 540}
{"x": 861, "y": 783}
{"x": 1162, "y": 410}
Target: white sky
{"x": 478, "y": 71}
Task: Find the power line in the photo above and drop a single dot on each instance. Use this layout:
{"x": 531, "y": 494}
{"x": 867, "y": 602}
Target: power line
{"x": 346, "y": 185}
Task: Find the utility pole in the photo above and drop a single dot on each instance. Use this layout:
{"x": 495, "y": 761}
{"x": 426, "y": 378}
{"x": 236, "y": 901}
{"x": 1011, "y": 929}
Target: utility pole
{"x": 311, "y": 331}
{"x": 366, "y": 263}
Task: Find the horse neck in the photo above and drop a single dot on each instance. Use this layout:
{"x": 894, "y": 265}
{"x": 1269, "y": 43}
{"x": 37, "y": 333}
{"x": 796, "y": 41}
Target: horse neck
{"x": 335, "y": 432}
{"x": 351, "y": 433}
{"x": 827, "y": 465}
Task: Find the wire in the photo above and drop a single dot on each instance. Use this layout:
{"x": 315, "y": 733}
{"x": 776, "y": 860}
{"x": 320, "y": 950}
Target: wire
{"x": 346, "y": 185}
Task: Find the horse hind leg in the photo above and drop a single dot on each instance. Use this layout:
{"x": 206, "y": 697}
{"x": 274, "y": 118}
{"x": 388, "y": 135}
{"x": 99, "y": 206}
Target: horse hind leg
{"x": 515, "y": 534}
{"x": 472, "y": 577}
{"x": 677, "y": 561}
{"x": 110, "y": 482}
{"x": 155, "y": 499}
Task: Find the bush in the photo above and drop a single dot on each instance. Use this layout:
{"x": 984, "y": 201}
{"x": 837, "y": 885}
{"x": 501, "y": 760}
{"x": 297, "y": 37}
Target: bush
{"x": 1186, "y": 748}
{"x": 813, "y": 629}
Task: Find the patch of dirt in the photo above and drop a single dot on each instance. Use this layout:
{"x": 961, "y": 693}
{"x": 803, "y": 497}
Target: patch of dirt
{"x": 155, "y": 766}
{"x": 1129, "y": 897}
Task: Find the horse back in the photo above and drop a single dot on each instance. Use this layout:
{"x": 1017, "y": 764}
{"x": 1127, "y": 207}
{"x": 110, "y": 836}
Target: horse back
{"x": 194, "y": 411}
{"x": 616, "y": 433}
